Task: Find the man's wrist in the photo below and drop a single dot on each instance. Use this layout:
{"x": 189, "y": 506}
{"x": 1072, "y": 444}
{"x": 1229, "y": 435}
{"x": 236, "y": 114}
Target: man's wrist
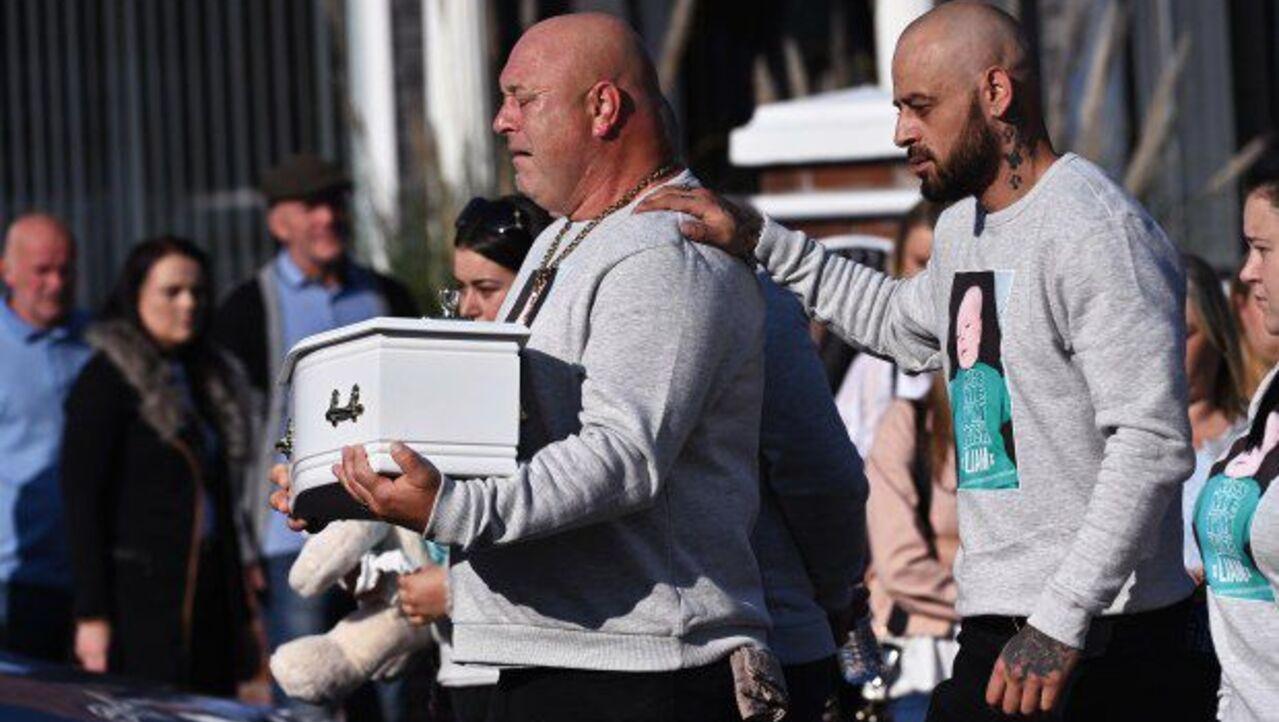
{"x": 435, "y": 525}
{"x": 1058, "y": 617}
{"x": 751, "y": 229}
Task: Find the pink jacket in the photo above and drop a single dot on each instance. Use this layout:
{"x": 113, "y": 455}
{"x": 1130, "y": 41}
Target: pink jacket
{"x": 903, "y": 573}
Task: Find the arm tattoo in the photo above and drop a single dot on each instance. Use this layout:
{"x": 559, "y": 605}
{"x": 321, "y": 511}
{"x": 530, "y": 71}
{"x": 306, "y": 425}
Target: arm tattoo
{"x": 1031, "y": 651}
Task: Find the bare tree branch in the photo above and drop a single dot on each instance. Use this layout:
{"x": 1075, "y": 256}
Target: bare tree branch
{"x": 1157, "y": 124}
{"x": 528, "y": 13}
{"x": 1073, "y": 23}
{"x": 796, "y": 73}
{"x": 765, "y": 84}
{"x": 840, "y": 74}
{"x": 1114, "y": 25}
{"x": 675, "y": 43}
{"x": 1238, "y": 164}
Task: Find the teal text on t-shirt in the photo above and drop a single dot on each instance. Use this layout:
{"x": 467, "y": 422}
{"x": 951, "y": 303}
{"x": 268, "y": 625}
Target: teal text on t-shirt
{"x": 980, "y": 403}
{"x": 1223, "y": 523}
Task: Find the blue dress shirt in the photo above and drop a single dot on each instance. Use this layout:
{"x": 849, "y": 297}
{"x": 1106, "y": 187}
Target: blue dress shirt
{"x": 37, "y": 368}
{"x": 308, "y": 307}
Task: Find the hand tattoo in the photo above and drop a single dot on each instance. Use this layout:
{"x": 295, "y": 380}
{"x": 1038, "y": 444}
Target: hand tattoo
{"x": 1031, "y": 652}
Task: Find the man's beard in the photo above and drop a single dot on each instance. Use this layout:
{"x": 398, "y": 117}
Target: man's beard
{"x": 971, "y": 167}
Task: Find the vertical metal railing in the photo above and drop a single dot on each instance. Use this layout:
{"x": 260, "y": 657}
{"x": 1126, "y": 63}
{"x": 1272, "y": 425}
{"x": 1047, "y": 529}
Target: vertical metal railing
{"x": 130, "y": 118}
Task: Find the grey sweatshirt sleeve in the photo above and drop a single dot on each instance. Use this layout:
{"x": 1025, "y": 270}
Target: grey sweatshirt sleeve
{"x": 659, "y": 340}
{"x": 889, "y": 316}
{"x": 809, "y": 462}
{"x": 1122, "y": 295}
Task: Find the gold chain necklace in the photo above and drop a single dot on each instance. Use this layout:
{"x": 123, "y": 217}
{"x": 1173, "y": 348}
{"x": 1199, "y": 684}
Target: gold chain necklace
{"x": 551, "y": 263}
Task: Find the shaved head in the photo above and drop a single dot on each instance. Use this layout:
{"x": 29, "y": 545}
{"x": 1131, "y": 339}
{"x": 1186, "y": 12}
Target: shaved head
{"x": 581, "y": 111}
{"x": 964, "y": 39}
{"x": 585, "y": 48}
{"x": 38, "y": 268}
{"x": 35, "y": 228}
{"x": 964, "y": 82}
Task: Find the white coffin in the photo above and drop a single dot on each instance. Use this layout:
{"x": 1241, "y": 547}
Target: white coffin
{"x": 449, "y": 389}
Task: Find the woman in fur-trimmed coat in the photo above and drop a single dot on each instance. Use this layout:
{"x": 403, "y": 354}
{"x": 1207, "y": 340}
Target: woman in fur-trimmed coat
{"x": 155, "y": 434}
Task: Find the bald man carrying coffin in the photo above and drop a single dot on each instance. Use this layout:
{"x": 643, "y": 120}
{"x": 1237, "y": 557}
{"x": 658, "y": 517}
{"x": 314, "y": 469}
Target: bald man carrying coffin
{"x": 612, "y": 577}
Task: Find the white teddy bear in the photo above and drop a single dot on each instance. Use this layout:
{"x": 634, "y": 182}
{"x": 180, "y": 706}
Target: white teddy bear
{"x": 372, "y": 642}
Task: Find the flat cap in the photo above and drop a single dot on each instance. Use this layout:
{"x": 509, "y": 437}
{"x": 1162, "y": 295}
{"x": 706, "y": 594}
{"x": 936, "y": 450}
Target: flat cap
{"x": 302, "y": 176}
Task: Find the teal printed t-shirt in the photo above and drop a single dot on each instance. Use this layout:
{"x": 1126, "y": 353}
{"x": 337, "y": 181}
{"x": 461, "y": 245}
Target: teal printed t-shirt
{"x": 979, "y": 401}
{"x": 1223, "y": 525}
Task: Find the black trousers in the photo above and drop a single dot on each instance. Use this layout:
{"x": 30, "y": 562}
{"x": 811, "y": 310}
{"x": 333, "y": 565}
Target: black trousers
{"x": 809, "y": 686}
{"x": 35, "y": 621}
{"x": 470, "y": 704}
{"x": 1138, "y": 667}
{"x": 699, "y": 694}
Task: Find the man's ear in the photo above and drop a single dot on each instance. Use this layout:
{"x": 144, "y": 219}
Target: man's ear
{"x": 604, "y": 103}
{"x": 998, "y": 93}
{"x": 277, "y": 221}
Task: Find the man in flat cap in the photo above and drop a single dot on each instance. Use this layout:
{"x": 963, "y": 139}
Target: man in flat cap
{"x": 311, "y": 285}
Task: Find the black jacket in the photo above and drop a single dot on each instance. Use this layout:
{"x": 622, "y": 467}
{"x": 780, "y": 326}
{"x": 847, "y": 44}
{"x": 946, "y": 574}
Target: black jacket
{"x": 134, "y": 461}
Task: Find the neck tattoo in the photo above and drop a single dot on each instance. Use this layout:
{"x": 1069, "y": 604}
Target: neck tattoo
{"x": 1014, "y": 157}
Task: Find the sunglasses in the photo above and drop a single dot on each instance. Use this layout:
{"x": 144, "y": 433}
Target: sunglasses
{"x": 495, "y": 218}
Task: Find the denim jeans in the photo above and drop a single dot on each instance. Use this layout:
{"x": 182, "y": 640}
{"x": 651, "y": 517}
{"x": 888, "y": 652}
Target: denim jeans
{"x": 35, "y": 621}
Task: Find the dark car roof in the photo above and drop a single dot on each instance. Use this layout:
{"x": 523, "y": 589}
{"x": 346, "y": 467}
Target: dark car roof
{"x": 36, "y": 691}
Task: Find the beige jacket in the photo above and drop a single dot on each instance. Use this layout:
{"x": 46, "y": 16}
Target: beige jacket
{"x": 903, "y": 572}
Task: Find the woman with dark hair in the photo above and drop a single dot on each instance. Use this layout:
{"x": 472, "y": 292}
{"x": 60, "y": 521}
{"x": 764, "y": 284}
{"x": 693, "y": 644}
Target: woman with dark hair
{"x": 1215, "y": 371}
{"x": 1236, "y": 518}
{"x": 493, "y": 237}
{"x": 155, "y": 436}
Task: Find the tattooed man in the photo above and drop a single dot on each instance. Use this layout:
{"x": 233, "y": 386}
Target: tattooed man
{"x": 1054, "y": 304}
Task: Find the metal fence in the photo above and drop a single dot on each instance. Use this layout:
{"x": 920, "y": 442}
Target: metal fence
{"x": 130, "y": 118}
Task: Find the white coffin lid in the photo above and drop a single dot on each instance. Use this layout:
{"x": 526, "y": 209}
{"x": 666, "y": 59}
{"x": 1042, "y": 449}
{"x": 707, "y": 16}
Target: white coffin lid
{"x": 388, "y": 326}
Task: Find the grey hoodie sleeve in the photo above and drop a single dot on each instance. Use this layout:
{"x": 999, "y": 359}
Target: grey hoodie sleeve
{"x": 1123, "y": 296}
{"x": 889, "y": 316}
{"x": 662, "y": 341}
{"x": 812, "y": 469}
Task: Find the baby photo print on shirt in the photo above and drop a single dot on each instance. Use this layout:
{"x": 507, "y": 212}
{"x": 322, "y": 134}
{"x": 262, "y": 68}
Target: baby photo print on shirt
{"x": 985, "y": 452}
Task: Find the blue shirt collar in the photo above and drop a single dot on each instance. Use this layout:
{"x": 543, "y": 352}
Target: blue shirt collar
{"x": 350, "y": 278}
{"x": 14, "y": 324}
{"x": 289, "y": 271}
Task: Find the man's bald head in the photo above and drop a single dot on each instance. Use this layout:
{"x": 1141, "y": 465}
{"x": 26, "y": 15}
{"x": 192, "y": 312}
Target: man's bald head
{"x": 964, "y": 83}
{"x": 34, "y": 228}
{"x": 38, "y": 268}
{"x": 590, "y": 47}
{"x": 582, "y": 104}
{"x": 965, "y": 39}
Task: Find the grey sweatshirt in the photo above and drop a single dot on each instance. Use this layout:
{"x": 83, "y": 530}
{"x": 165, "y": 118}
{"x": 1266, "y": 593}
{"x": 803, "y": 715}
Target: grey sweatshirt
{"x": 623, "y": 541}
{"x": 811, "y": 535}
{"x": 1245, "y": 617}
{"x": 1059, "y": 323}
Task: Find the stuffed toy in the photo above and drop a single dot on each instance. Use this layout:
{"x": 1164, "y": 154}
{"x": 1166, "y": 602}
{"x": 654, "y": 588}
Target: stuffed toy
{"x": 372, "y": 642}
